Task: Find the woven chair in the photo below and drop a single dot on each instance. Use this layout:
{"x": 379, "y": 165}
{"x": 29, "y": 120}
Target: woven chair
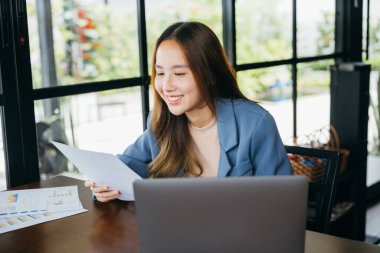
{"x": 321, "y": 167}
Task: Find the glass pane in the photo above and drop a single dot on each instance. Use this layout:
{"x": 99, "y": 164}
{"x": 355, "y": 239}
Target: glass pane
{"x": 272, "y": 88}
{"x": 373, "y": 111}
{"x": 313, "y": 104}
{"x": 373, "y": 168}
{"x": 161, "y": 14}
{"x": 105, "y": 122}
{"x": 364, "y": 27}
{"x": 1, "y": 85}
{"x": 374, "y": 34}
{"x": 374, "y": 60}
{"x": 151, "y": 97}
{"x": 263, "y": 30}
{"x": 3, "y": 180}
{"x": 315, "y": 27}
{"x": 88, "y": 40}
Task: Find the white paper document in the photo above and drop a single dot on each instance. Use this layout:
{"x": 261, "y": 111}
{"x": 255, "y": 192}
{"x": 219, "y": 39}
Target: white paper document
{"x": 103, "y": 168}
{"x": 23, "y": 208}
{"x": 17, "y": 202}
{"x": 8, "y": 224}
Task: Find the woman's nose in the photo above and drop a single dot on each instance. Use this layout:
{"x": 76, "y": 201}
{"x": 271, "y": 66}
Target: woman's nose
{"x": 167, "y": 85}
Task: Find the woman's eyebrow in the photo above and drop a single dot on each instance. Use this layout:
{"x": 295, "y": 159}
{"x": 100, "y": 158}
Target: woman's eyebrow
{"x": 180, "y": 66}
{"x": 174, "y": 66}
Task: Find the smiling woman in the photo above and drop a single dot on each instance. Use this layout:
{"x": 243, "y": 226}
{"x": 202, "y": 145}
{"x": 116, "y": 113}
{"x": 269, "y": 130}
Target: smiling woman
{"x": 201, "y": 124}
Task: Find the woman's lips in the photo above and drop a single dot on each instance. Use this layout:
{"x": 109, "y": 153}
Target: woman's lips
{"x": 174, "y": 99}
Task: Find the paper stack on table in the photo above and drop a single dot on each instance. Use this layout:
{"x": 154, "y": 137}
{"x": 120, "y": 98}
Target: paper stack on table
{"x": 23, "y": 208}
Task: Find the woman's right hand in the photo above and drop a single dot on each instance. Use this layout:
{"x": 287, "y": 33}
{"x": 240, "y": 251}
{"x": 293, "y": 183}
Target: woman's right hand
{"x": 102, "y": 193}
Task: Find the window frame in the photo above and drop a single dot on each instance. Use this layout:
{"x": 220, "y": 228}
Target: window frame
{"x": 18, "y": 94}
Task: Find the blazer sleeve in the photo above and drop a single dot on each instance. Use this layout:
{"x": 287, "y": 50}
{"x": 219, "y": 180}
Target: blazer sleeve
{"x": 267, "y": 150}
{"x": 138, "y": 155}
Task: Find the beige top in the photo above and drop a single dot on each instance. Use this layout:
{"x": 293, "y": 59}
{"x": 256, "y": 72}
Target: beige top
{"x": 207, "y": 147}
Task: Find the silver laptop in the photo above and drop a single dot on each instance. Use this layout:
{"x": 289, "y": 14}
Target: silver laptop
{"x": 240, "y": 214}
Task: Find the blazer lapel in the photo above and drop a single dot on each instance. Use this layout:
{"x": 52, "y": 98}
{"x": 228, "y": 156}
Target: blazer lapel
{"x": 227, "y": 133}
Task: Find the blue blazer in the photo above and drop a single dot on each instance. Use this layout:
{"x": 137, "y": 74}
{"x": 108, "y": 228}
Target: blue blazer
{"x": 249, "y": 143}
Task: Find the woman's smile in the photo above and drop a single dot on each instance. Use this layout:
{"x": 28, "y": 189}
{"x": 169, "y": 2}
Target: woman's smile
{"x": 174, "y": 99}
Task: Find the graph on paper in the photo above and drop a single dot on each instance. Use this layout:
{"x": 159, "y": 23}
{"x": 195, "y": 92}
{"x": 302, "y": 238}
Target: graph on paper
{"x": 18, "y": 202}
{"x": 23, "y": 208}
{"x": 16, "y": 222}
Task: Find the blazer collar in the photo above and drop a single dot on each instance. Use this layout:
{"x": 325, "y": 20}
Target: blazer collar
{"x": 227, "y": 129}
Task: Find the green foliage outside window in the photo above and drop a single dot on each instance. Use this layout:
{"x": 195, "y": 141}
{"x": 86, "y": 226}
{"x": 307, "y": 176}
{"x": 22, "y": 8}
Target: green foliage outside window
{"x": 326, "y": 29}
{"x": 92, "y": 43}
{"x": 98, "y": 45}
{"x": 314, "y": 77}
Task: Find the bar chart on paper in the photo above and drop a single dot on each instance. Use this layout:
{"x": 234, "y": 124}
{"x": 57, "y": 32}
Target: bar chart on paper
{"x": 22, "y": 208}
{"x": 39, "y": 200}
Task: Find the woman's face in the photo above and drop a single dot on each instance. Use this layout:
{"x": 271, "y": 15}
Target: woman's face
{"x": 175, "y": 82}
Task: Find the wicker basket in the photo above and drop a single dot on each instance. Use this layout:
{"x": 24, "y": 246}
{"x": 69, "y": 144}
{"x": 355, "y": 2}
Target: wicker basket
{"x": 324, "y": 138}
{"x": 314, "y": 168}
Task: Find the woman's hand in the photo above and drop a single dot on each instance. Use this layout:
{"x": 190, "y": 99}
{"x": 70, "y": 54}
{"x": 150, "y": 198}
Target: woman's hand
{"x": 102, "y": 193}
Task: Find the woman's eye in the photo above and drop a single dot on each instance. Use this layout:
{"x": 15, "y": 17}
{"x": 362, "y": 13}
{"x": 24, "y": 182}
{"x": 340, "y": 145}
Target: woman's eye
{"x": 160, "y": 74}
{"x": 180, "y": 74}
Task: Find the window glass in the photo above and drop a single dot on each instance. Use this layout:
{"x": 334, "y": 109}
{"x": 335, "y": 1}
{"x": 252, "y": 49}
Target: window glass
{"x": 272, "y": 88}
{"x": 263, "y": 30}
{"x": 106, "y": 122}
{"x": 1, "y": 85}
{"x": 373, "y": 172}
{"x": 92, "y": 40}
{"x": 374, "y": 33}
{"x": 364, "y": 27}
{"x": 151, "y": 97}
{"x": 161, "y": 14}
{"x": 3, "y": 180}
{"x": 315, "y": 27}
{"x": 313, "y": 104}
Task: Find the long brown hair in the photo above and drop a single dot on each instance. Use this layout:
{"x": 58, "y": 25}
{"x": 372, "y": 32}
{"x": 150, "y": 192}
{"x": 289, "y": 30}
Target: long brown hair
{"x": 215, "y": 78}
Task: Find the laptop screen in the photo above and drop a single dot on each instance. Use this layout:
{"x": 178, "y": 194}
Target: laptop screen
{"x": 236, "y": 214}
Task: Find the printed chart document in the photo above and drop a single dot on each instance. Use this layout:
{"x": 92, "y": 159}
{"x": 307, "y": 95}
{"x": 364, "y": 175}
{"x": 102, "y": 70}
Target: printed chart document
{"x": 18, "y": 202}
{"x": 23, "y": 208}
{"x": 103, "y": 168}
{"x": 8, "y": 224}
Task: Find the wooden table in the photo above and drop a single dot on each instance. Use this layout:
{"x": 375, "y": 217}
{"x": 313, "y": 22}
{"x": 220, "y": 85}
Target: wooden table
{"x": 112, "y": 227}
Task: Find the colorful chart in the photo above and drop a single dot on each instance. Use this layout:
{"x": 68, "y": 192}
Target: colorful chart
{"x": 12, "y": 198}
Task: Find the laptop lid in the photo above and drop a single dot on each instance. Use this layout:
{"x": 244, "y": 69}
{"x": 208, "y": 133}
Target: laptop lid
{"x": 236, "y": 214}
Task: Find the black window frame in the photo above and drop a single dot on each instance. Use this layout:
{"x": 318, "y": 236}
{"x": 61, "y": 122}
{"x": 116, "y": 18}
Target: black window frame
{"x": 17, "y": 100}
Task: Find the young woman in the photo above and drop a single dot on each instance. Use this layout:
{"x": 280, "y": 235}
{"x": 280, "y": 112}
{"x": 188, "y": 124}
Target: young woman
{"x": 201, "y": 124}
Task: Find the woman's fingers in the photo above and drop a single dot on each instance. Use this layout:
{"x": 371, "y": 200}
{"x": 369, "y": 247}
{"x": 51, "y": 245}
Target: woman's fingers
{"x": 107, "y": 196}
{"x": 89, "y": 183}
{"x": 102, "y": 193}
{"x": 99, "y": 189}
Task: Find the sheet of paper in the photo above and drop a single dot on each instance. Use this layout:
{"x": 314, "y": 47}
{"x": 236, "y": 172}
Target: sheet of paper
{"x": 16, "y": 222}
{"x": 104, "y": 169}
{"x": 16, "y": 202}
